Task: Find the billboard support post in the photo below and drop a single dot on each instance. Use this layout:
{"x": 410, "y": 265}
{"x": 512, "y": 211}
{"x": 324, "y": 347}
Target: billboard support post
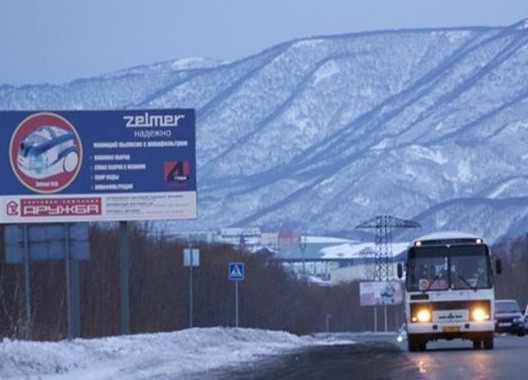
{"x": 27, "y": 290}
{"x": 73, "y": 288}
{"x": 67, "y": 272}
{"x": 76, "y": 297}
{"x": 124, "y": 268}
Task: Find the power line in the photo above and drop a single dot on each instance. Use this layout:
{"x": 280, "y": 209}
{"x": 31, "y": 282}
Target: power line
{"x": 384, "y": 224}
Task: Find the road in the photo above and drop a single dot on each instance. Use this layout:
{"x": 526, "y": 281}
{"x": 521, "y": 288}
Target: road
{"x": 457, "y": 360}
{"x": 381, "y": 356}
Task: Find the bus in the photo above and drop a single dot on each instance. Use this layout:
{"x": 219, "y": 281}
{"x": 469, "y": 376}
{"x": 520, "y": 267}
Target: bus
{"x": 449, "y": 290}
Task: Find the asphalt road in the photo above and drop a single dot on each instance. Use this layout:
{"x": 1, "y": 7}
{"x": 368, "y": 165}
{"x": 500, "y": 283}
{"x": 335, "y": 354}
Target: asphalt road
{"x": 456, "y": 360}
{"x": 381, "y": 356}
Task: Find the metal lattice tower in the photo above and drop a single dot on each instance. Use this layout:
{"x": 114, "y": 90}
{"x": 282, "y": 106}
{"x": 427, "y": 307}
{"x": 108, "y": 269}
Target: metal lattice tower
{"x": 384, "y": 224}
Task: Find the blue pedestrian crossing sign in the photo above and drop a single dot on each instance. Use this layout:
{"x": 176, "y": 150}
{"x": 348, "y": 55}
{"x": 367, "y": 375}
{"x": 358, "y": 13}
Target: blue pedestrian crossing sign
{"x": 236, "y": 271}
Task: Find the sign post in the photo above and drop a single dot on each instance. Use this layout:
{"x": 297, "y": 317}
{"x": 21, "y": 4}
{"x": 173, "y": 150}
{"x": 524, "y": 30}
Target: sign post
{"x": 67, "y": 272}
{"x": 124, "y": 278}
{"x": 27, "y": 289}
{"x": 191, "y": 258}
{"x": 236, "y": 274}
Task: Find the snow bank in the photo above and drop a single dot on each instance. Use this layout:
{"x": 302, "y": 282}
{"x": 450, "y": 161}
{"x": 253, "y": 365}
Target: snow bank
{"x": 143, "y": 356}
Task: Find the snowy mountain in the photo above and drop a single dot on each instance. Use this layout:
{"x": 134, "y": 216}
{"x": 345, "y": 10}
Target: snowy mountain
{"x": 321, "y": 134}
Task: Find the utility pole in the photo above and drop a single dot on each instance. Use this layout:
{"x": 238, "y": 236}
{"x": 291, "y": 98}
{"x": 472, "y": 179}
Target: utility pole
{"x": 384, "y": 224}
{"x": 383, "y": 259}
{"x": 302, "y": 247}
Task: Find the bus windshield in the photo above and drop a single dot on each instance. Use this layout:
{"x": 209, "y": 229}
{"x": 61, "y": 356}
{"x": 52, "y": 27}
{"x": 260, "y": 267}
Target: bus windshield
{"x": 444, "y": 267}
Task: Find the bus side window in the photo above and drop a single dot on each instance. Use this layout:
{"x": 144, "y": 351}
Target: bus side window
{"x": 498, "y": 266}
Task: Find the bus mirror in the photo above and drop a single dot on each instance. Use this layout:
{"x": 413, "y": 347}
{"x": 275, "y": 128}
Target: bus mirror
{"x": 498, "y": 266}
{"x": 399, "y": 269}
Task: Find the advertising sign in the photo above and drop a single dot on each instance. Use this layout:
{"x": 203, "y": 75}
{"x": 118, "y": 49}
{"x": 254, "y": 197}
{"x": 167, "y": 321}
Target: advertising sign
{"x": 380, "y": 293}
{"x": 67, "y": 166}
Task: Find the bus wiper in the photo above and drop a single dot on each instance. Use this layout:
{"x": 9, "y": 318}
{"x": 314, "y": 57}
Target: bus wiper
{"x": 467, "y": 282}
{"x": 436, "y": 278}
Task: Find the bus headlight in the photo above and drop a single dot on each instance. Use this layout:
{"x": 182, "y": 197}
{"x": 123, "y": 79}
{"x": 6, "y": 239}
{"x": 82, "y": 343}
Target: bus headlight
{"x": 423, "y": 315}
{"x": 421, "y": 312}
{"x": 479, "y": 314}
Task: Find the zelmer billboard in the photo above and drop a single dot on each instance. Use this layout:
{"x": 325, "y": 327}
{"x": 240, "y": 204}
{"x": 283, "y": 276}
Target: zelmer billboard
{"x": 62, "y": 166}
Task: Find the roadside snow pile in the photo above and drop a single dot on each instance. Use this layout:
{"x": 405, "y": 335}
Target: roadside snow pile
{"x": 143, "y": 356}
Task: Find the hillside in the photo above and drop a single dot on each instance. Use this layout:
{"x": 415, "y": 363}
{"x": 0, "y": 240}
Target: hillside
{"x": 320, "y": 134}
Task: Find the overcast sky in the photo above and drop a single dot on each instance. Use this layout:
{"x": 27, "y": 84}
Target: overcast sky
{"x": 56, "y": 41}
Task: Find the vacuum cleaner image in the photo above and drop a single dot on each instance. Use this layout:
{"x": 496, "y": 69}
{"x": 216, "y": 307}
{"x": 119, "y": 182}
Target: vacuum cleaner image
{"x": 47, "y": 151}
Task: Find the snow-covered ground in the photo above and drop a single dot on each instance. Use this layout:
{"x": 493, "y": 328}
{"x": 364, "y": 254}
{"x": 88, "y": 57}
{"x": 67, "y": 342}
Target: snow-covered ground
{"x": 145, "y": 356}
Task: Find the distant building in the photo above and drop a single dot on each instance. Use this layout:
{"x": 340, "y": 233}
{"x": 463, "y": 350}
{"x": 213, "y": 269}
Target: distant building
{"x": 288, "y": 237}
{"x": 331, "y": 260}
{"x": 355, "y": 272}
{"x": 270, "y": 240}
{"x": 248, "y": 237}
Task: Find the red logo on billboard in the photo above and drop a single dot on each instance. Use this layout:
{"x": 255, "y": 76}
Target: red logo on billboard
{"x": 176, "y": 171}
{"x": 45, "y": 152}
{"x": 12, "y": 208}
{"x": 61, "y": 207}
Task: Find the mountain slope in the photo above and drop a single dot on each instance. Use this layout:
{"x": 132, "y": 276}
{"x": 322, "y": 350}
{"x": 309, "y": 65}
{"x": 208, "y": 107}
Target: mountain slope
{"x": 323, "y": 133}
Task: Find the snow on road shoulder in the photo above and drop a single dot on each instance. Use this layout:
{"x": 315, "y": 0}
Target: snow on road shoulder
{"x": 144, "y": 356}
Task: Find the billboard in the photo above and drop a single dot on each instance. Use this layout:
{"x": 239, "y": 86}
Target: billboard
{"x": 78, "y": 166}
{"x": 380, "y": 293}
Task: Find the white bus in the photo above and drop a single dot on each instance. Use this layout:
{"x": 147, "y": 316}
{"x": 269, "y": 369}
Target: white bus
{"x": 449, "y": 290}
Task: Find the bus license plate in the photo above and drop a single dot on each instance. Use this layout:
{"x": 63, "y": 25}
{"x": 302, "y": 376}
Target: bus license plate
{"x": 450, "y": 329}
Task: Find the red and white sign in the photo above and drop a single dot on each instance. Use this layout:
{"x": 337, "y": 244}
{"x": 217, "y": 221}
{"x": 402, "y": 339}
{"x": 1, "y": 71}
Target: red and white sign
{"x": 45, "y": 152}
{"x": 60, "y": 206}
{"x": 53, "y": 207}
